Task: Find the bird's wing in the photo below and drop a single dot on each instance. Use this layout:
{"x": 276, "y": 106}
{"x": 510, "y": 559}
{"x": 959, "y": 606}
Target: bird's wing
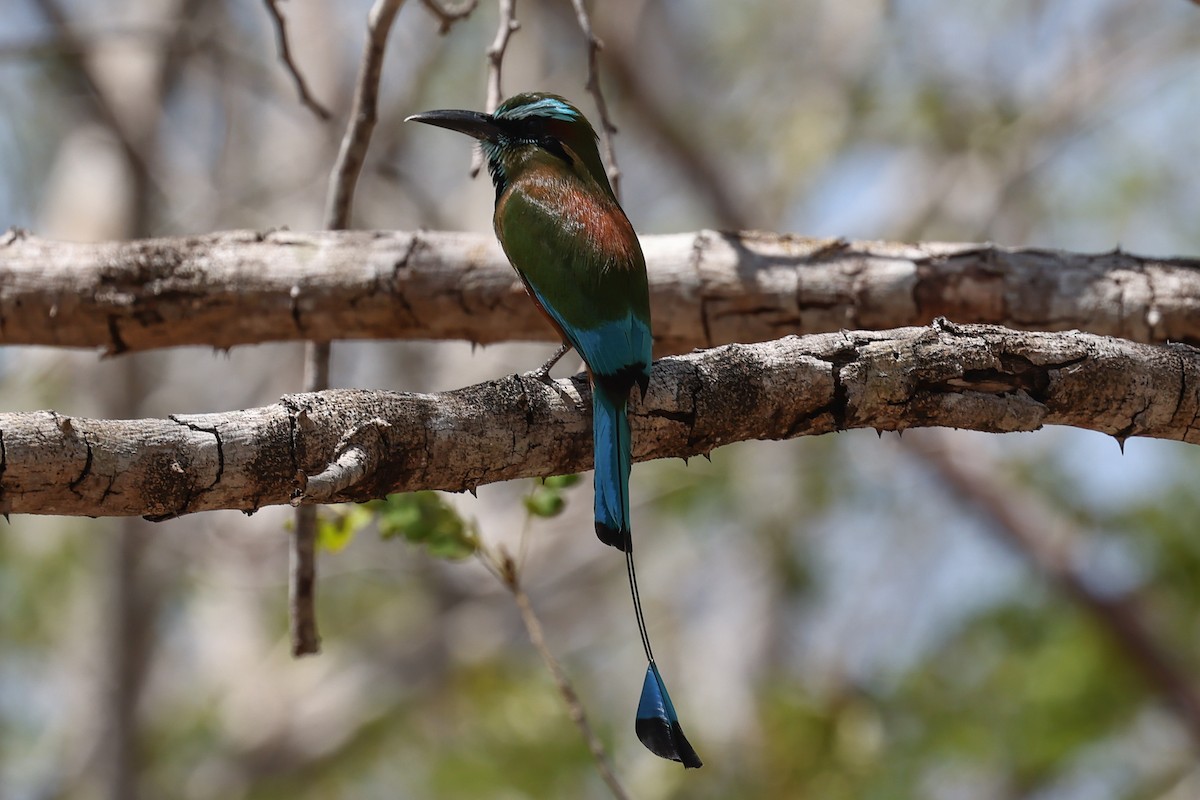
{"x": 581, "y": 260}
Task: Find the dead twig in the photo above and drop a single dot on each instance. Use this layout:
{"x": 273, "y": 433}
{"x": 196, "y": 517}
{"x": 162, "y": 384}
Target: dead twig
{"x": 285, "y": 55}
{"x": 448, "y": 16}
{"x": 505, "y": 569}
{"x": 607, "y": 128}
{"x": 699, "y": 166}
{"x": 134, "y": 148}
{"x": 364, "y": 113}
{"x": 339, "y": 204}
{"x": 302, "y": 560}
{"x": 495, "y": 61}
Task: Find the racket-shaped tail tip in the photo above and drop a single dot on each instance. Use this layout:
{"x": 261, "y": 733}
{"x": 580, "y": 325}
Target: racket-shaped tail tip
{"x": 657, "y": 725}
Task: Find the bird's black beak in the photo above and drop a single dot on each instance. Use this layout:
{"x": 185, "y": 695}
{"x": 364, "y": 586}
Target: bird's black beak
{"x": 472, "y": 123}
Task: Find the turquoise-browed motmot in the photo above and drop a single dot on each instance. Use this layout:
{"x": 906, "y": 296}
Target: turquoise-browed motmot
{"x": 565, "y": 233}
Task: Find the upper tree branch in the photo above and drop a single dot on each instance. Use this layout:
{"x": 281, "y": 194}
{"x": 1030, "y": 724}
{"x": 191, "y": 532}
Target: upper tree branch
{"x": 707, "y": 288}
{"x": 972, "y": 376}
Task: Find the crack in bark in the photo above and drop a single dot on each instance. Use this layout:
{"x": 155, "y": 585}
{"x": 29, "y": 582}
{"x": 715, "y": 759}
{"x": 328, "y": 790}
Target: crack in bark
{"x": 190, "y": 492}
{"x": 1153, "y": 316}
{"x": 87, "y": 469}
{"x": 1130, "y": 429}
{"x": 839, "y": 408}
{"x": 687, "y": 418}
{"x": 860, "y": 287}
{"x": 112, "y": 478}
{"x": 1015, "y": 374}
{"x": 220, "y": 447}
{"x": 401, "y": 264}
{"x": 294, "y": 433}
{"x": 1179, "y": 398}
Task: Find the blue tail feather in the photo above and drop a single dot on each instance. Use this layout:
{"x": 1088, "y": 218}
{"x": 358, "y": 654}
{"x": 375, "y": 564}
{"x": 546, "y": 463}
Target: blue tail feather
{"x": 657, "y": 725}
{"x": 610, "y": 427}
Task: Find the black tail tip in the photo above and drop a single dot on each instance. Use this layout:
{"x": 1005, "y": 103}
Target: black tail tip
{"x": 666, "y": 740}
{"x": 613, "y": 537}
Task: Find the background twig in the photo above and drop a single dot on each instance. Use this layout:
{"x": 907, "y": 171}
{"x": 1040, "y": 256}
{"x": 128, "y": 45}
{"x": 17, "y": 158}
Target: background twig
{"x": 1047, "y": 540}
{"x": 505, "y": 569}
{"x": 285, "y": 55}
{"x": 507, "y": 26}
{"x": 339, "y": 204}
{"x": 607, "y": 128}
{"x": 448, "y": 16}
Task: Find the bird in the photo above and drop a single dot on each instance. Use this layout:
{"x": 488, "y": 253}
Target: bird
{"x": 564, "y": 232}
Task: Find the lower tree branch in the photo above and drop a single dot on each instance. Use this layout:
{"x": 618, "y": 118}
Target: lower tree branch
{"x": 970, "y": 376}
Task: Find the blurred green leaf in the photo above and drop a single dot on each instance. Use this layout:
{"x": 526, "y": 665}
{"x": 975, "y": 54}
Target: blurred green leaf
{"x": 546, "y": 499}
{"x": 425, "y": 518}
{"x": 561, "y": 481}
{"x": 336, "y": 529}
{"x": 545, "y": 502}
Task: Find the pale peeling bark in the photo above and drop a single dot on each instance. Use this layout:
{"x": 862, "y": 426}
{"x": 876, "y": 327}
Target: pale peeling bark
{"x": 707, "y": 288}
{"x": 364, "y": 444}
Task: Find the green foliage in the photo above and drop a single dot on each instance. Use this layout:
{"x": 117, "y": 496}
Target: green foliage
{"x": 422, "y": 518}
{"x": 337, "y": 528}
{"x": 1022, "y": 689}
{"x": 425, "y": 518}
{"x": 548, "y": 498}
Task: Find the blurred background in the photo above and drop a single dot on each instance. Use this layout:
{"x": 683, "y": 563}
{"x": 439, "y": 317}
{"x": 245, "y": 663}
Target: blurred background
{"x": 947, "y": 615}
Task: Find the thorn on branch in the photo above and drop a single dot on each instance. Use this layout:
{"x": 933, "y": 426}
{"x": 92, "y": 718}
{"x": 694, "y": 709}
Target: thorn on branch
{"x": 13, "y": 235}
{"x": 285, "y": 55}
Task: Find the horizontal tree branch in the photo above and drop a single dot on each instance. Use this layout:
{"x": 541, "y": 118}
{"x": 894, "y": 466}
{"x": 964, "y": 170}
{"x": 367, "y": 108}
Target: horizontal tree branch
{"x": 981, "y": 377}
{"x": 707, "y": 288}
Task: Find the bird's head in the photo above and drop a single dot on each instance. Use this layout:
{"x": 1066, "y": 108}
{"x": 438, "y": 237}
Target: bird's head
{"x": 527, "y": 124}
